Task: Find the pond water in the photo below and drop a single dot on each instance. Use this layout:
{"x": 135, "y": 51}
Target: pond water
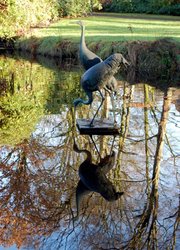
{"x": 39, "y": 167}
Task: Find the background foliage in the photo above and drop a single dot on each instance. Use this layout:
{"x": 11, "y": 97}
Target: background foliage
{"x": 170, "y": 7}
{"x": 77, "y": 7}
{"x": 15, "y": 20}
{"x": 22, "y": 98}
{"x": 17, "y": 16}
{"x": 29, "y": 91}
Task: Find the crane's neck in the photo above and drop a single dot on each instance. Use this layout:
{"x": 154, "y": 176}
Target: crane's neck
{"x": 88, "y": 154}
{"x": 90, "y": 98}
{"x": 86, "y": 102}
{"x": 81, "y": 191}
{"x": 83, "y": 43}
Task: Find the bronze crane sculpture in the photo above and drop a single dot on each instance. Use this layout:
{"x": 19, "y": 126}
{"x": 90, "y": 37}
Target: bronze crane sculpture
{"x": 89, "y": 58}
{"x": 93, "y": 177}
{"x": 96, "y": 77}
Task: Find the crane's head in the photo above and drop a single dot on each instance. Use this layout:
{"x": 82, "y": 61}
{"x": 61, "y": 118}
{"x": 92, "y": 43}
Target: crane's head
{"x": 118, "y": 57}
{"x": 77, "y": 102}
{"x": 125, "y": 62}
{"x": 79, "y": 22}
{"x": 110, "y": 193}
{"x": 75, "y": 147}
{"x": 118, "y": 195}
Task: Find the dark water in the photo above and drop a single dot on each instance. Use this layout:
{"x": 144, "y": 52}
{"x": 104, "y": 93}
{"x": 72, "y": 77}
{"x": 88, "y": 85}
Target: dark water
{"x": 39, "y": 168}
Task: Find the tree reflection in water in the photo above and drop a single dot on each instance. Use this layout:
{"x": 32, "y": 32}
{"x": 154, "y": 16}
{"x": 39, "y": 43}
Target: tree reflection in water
{"x": 40, "y": 174}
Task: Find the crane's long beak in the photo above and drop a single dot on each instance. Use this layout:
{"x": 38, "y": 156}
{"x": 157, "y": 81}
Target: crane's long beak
{"x": 79, "y": 22}
{"x": 76, "y": 22}
{"x": 125, "y": 62}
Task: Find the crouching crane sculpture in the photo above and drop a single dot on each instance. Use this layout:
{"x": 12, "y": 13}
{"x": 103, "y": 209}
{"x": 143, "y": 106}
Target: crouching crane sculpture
{"x": 93, "y": 178}
{"x": 96, "y": 78}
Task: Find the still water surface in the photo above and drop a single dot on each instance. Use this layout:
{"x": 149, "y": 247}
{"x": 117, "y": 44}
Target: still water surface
{"x": 39, "y": 168}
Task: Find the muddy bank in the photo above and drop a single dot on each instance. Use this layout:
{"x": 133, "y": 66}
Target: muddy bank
{"x": 150, "y": 61}
{"x": 154, "y": 61}
{"x": 7, "y": 44}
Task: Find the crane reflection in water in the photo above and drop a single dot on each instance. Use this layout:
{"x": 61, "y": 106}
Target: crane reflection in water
{"x": 93, "y": 177}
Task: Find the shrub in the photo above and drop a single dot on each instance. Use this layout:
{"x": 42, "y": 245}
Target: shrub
{"x": 73, "y": 8}
{"x": 17, "y": 16}
{"x": 170, "y": 10}
{"x": 170, "y": 7}
{"x": 77, "y": 7}
{"x": 121, "y": 6}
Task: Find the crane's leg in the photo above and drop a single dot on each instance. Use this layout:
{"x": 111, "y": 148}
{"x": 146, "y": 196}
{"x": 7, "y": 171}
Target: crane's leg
{"x": 112, "y": 144}
{"x": 95, "y": 146}
{"x": 113, "y": 108}
{"x": 74, "y": 118}
{"x": 112, "y": 102}
{"x": 102, "y": 100}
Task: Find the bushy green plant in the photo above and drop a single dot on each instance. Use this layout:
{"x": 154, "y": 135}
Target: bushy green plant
{"x": 140, "y": 6}
{"x": 73, "y": 7}
{"x": 121, "y": 6}
{"x": 17, "y": 16}
{"x": 77, "y": 7}
{"x": 170, "y": 10}
{"x": 170, "y": 7}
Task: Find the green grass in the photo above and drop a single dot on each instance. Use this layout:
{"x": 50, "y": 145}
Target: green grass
{"x": 118, "y": 27}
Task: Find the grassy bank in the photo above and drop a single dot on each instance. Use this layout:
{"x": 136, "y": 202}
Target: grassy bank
{"x": 102, "y": 32}
{"x": 136, "y": 36}
{"x": 115, "y": 27}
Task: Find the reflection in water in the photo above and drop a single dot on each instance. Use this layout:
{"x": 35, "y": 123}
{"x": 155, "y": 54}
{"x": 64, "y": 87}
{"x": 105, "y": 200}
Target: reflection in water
{"x": 147, "y": 226}
{"x": 27, "y": 92}
{"x": 93, "y": 177}
{"x": 39, "y": 172}
{"x": 176, "y": 99}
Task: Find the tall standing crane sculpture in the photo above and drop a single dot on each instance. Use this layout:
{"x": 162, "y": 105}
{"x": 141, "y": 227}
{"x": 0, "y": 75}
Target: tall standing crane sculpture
{"x": 93, "y": 177}
{"x": 89, "y": 59}
{"x": 96, "y": 78}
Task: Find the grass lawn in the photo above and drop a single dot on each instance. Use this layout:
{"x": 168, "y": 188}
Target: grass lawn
{"x": 114, "y": 27}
